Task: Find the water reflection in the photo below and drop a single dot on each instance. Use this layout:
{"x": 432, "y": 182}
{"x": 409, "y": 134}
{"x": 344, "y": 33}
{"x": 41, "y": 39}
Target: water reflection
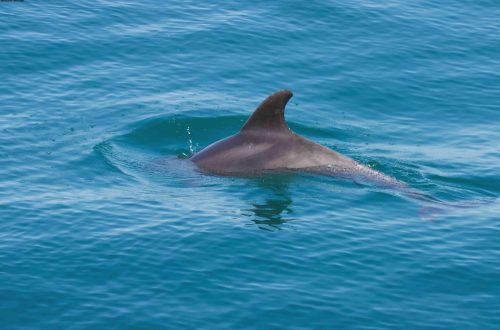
{"x": 275, "y": 208}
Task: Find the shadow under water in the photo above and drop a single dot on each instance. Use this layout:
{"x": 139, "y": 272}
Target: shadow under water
{"x": 275, "y": 208}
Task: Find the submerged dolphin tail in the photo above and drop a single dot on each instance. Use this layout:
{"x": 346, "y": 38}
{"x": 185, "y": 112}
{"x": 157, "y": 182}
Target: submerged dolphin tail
{"x": 270, "y": 114}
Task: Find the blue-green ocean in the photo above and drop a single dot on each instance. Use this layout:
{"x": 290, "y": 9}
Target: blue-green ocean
{"x": 105, "y": 224}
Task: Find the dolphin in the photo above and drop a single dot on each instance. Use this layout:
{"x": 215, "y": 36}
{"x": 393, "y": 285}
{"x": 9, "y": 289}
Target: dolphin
{"x": 265, "y": 144}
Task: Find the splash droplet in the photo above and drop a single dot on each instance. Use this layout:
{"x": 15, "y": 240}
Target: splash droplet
{"x": 190, "y": 141}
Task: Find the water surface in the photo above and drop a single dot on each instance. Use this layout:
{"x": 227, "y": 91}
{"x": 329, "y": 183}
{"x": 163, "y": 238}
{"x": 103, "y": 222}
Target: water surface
{"x": 105, "y": 224}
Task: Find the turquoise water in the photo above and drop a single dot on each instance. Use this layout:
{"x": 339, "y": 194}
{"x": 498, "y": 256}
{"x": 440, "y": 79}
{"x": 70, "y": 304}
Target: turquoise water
{"x": 105, "y": 224}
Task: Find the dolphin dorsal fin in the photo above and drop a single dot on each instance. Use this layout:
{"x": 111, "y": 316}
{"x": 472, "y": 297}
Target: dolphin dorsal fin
{"x": 270, "y": 114}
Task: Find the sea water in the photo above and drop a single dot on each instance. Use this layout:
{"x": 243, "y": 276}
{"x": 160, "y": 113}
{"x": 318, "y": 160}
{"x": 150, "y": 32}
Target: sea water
{"x": 105, "y": 224}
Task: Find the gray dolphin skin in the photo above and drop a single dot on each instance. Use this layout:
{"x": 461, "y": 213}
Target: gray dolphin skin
{"x": 265, "y": 144}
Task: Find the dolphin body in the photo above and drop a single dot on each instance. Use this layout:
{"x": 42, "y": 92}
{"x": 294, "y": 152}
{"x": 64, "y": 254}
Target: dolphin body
{"x": 265, "y": 144}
